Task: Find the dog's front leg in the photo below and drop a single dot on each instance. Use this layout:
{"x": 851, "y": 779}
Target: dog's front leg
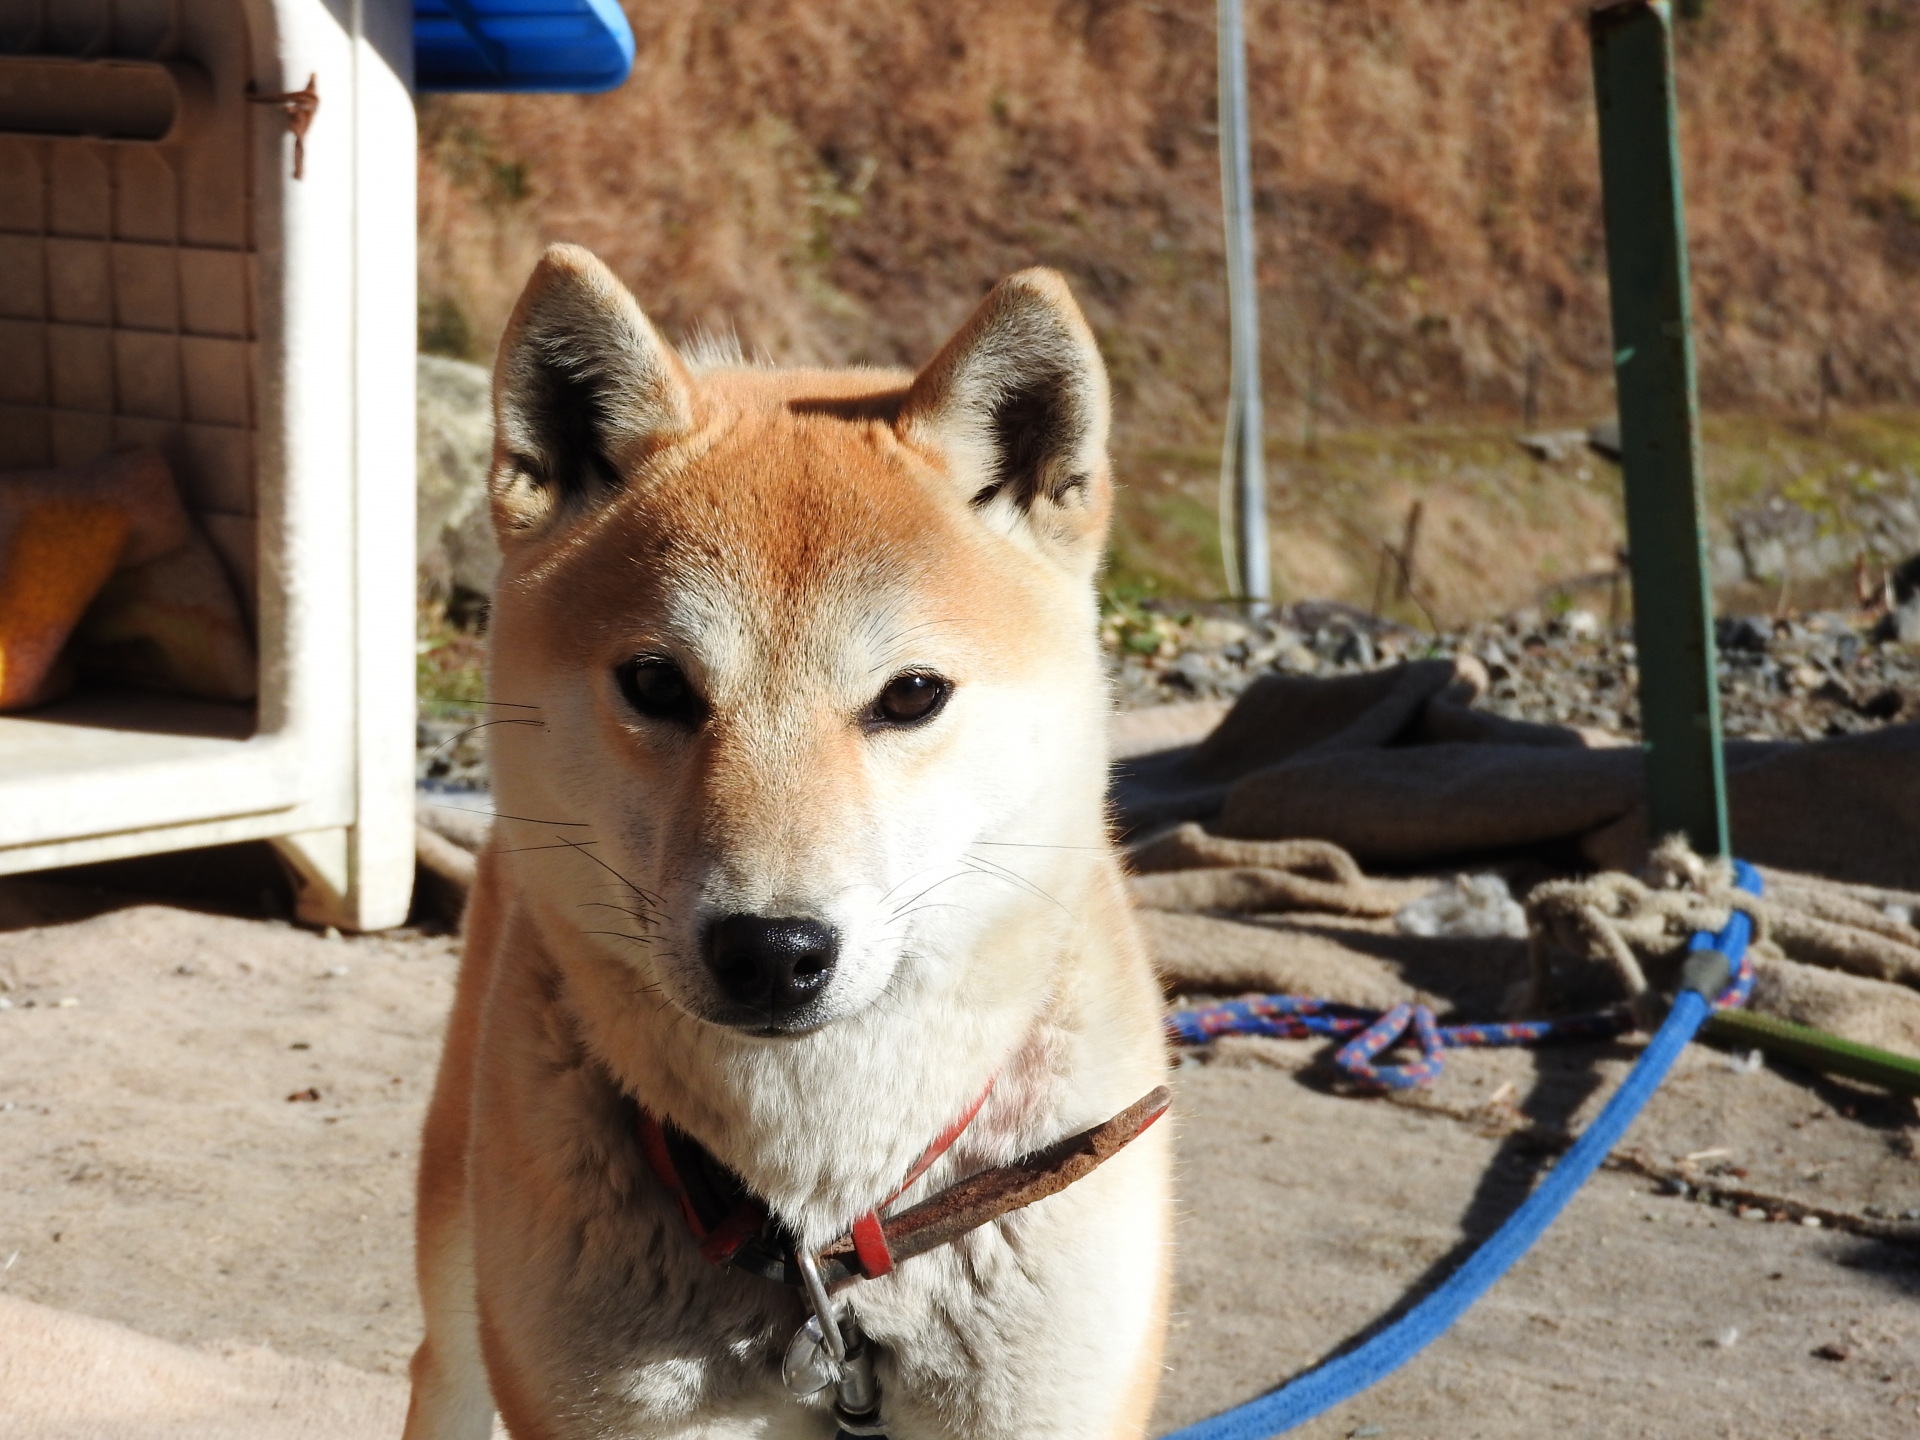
{"x": 451, "y": 1399}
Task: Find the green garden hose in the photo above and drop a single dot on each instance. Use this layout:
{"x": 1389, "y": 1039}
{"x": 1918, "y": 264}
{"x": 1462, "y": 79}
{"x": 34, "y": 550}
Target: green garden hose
{"x": 1815, "y": 1049}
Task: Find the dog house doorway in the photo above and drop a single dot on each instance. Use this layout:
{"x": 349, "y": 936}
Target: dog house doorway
{"x": 169, "y": 286}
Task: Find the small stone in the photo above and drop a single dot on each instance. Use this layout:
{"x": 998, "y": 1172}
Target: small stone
{"x": 1581, "y": 624}
{"x": 1553, "y": 446}
{"x": 1750, "y": 634}
{"x": 1220, "y": 630}
{"x": 65, "y": 1002}
{"x": 334, "y": 972}
{"x": 330, "y": 933}
{"x": 1727, "y": 1338}
{"x": 1832, "y": 1350}
{"x": 1812, "y": 1222}
{"x": 1354, "y": 648}
{"x": 1905, "y": 622}
{"x": 5, "y": 1003}
{"x": 1751, "y": 1212}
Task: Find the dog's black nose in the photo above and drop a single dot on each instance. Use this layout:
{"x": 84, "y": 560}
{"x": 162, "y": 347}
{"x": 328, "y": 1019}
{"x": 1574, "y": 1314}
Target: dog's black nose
{"x": 772, "y": 967}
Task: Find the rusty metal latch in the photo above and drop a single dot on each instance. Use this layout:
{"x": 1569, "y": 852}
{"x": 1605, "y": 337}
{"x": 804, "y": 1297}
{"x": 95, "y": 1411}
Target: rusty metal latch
{"x": 300, "y": 106}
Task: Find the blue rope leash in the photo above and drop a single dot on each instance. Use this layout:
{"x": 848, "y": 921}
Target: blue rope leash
{"x": 1342, "y": 1378}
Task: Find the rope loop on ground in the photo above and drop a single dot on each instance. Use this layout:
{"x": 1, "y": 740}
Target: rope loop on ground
{"x": 1615, "y": 919}
{"x": 1356, "y": 1057}
{"x": 1613, "y": 911}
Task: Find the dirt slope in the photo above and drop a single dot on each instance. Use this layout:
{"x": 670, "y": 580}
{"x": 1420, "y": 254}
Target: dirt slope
{"x": 840, "y": 181}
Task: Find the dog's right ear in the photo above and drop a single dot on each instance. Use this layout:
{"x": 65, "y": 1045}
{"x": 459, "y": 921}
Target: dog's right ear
{"x": 584, "y": 391}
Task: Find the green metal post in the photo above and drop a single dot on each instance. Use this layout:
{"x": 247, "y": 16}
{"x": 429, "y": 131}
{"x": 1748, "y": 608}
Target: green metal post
{"x": 1659, "y": 421}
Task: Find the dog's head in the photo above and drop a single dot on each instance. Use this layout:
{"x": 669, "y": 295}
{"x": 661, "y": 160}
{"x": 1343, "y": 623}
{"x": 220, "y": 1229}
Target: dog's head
{"x": 807, "y": 658}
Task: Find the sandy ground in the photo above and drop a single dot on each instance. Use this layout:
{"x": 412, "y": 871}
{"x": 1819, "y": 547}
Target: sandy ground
{"x": 159, "y": 1175}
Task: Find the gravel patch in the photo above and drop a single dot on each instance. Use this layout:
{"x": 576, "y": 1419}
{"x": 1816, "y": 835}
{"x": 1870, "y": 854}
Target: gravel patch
{"x": 450, "y": 746}
{"x": 1797, "y": 678}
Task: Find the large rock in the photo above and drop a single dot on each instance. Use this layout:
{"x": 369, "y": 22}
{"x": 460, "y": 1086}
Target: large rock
{"x": 1775, "y": 538}
{"x": 1902, "y": 622}
{"x": 1905, "y": 622}
{"x": 457, "y": 552}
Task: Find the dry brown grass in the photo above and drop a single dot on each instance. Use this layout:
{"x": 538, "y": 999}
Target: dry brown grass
{"x": 841, "y": 181}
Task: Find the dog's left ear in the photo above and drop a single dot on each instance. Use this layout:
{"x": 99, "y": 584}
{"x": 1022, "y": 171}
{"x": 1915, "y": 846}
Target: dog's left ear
{"x": 585, "y": 391}
{"x": 1016, "y": 404}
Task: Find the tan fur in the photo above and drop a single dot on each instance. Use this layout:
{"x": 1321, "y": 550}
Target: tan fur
{"x": 791, "y": 540}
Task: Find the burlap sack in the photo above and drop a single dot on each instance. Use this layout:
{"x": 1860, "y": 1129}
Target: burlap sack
{"x": 1396, "y": 767}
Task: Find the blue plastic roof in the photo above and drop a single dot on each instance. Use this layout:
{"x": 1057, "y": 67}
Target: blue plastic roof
{"x": 520, "y": 45}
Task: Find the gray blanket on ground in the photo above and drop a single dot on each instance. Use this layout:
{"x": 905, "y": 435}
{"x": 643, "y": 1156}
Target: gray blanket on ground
{"x": 1398, "y": 768}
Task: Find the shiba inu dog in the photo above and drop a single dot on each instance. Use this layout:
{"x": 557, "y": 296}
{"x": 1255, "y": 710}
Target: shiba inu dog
{"x": 801, "y": 877}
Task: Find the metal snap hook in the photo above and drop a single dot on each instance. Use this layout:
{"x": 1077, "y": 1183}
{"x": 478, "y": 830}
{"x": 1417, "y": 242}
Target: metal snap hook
{"x": 831, "y": 1350}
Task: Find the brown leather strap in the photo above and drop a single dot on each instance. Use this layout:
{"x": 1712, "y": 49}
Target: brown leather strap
{"x": 724, "y": 1215}
{"x": 987, "y": 1196}
{"x": 723, "y": 1228}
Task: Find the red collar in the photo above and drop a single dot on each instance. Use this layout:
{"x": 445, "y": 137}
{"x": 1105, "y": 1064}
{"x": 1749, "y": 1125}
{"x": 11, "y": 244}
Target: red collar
{"x": 724, "y": 1215}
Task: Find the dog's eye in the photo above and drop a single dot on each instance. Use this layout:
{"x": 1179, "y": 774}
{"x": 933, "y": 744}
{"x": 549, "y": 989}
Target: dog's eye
{"x": 660, "y": 690}
{"x": 910, "y": 699}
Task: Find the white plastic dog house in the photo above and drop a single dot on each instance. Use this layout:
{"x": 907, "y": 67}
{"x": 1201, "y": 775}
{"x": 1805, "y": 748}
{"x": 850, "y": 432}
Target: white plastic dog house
{"x": 165, "y": 280}
{"x": 203, "y": 253}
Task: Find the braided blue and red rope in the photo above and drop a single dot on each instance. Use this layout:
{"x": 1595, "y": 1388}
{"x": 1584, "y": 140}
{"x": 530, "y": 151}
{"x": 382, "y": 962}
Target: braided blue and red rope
{"x": 1373, "y": 1032}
